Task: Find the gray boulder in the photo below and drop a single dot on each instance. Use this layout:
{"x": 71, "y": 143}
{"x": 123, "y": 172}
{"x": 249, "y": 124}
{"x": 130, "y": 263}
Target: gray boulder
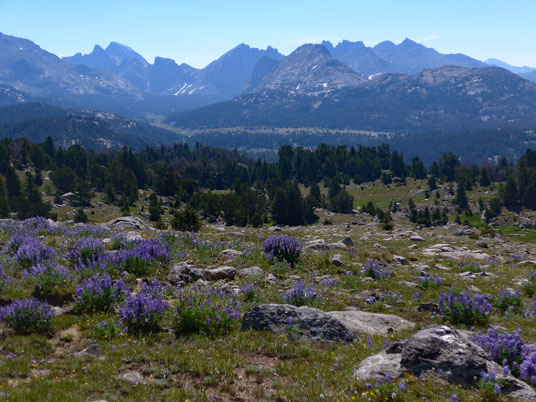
{"x": 347, "y": 241}
{"x": 185, "y": 272}
{"x": 445, "y": 353}
{"x": 220, "y": 273}
{"x": 319, "y": 244}
{"x": 306, "y": 322}
{"x": 371, "y": 323}
{"x": 379, "y": 365}
{"x": 125, "y": 223}
{"x": 252, "y": 273}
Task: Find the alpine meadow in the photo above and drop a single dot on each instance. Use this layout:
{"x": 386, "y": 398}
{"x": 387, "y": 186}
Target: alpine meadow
{"x": 268, "y": 201}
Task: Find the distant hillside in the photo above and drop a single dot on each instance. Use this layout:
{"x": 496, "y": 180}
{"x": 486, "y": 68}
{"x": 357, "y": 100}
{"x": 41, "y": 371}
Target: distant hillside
{"x": 93, "y": 130}
{"x": 530, "y": 76}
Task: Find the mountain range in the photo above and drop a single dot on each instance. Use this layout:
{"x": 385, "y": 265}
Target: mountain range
{"x": 311, "y": 89}
{"x": 400, "y": 88}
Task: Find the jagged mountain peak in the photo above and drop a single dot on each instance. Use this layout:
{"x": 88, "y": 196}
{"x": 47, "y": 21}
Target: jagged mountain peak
{"x": 120, "y": 53}
{"x": 310, "y": 69}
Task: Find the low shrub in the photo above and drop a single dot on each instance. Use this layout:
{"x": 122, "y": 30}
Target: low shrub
{"x": 49, "y": 278}
{"x": 98, "y": 293}
{"x": 282, "y": 248}
{"x": 27, "y": 316}
{"x": 464, "y": 309}
{"x": 206, "y": 311}
{"x": 302, "y": 294}
{"x": 509, "y": 301}
{"x": 142, "y": 312}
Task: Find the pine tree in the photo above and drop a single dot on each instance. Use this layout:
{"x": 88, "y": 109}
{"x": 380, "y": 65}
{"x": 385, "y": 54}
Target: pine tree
{"x": 484, "y": 178}
{"x": 4, "y": 200}
{"x": 509, "y": 194}
{"x": 461, "y": 198}
{"x": 13, "y": 183}
{"x": 278, "y": 209}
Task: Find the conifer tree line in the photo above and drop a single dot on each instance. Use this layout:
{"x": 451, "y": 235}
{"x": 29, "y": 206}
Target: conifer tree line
{"x": 256, "y": 192}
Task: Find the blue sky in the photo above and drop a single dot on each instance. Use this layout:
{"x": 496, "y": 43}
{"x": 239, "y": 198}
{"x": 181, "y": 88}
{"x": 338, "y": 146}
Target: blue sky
{"x": 196, "y": 32}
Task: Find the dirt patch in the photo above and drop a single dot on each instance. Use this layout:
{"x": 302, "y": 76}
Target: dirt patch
{"x": 66, "y": 341}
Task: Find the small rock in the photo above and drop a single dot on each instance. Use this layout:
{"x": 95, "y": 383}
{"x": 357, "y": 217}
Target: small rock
{"x": 422, "y": 268}
{"x": 481, "y": 244}
{"x": 378, "y": 245}
{"x": 464, "y": 232}
{"x": 417, "y": 238}
{"x": 337, "y": 245}
{"x": 336, "y": 260}
{"x": 133, "y": 236}
{"x": 408, "y": 284}
{"x": 185, "y": 272}
{"x": 133, "y": 377}
{"x": 274, "y": 229}
{"x": 473, "y": 288}
{"x": 230, "y": 253}
{"x": 319, "y": 244}
{"x": 413, "y": 247}
{"x": 400, "y": 260}
{"x": 91, "y": 350}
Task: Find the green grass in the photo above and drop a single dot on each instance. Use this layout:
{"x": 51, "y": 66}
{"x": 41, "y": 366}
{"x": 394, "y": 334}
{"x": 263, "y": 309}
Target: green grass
{"x": 261, "y": 366}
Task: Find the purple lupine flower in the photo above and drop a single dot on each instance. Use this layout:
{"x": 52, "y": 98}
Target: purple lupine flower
{"x": 27, "y": 316}
{"x": 301, "y": 294}
{"x": 528, "y": 367}
{"x": 374, "y": 269}
{"x": 206, "y": 310}
{"x": 282, "y": 248}
{"x": 32, "y": 251}
{"x": 84, "y": 248}
{"x": 142, "y": 311}
{"x": 98, "y": 293}
{"x": 504, "y": 348}
{"x": 510, "y": 301}
{"x": 464, "y": 308}
{"x": 48, "y": 277}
